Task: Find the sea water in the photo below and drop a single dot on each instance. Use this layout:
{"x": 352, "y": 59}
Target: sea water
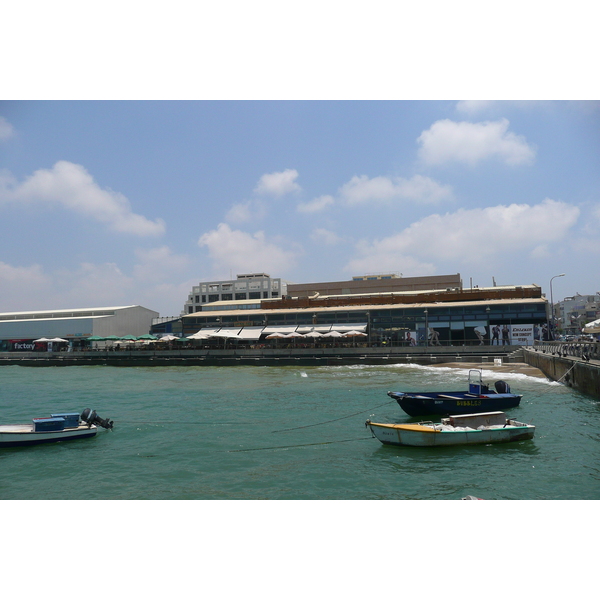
{"x": 284, "y": 433}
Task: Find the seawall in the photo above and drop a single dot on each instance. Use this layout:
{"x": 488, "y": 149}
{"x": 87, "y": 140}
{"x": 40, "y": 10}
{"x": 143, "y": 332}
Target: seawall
{"x": 582, "y": 372}
{"x": 266, "y": 356}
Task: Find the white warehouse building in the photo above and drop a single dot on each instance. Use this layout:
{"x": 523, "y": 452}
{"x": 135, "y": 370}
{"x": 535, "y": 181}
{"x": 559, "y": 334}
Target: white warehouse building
{"x": 18, "y": 330}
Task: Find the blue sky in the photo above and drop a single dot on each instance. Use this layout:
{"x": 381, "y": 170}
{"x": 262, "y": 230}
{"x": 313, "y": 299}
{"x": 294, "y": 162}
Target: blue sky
{"x": 144, "y": 154}
{"x": 133, "y": 202}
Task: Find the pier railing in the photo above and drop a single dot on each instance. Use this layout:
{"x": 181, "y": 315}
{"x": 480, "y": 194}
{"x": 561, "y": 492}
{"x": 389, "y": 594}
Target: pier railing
{"x": 584, "y": 350}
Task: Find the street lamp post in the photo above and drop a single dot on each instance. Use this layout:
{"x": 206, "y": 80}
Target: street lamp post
{"x": 552, "y": 306}
{"x": 426, "y": 328}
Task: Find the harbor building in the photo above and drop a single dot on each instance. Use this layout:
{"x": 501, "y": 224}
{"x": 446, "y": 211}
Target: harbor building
{"x": 19, "y": 330}
{"x": 251, "y": 286}
{"x": 454, "y": 316}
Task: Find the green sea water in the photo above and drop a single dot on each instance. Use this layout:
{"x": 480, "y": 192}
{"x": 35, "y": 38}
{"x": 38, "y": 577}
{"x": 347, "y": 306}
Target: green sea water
{"x": 284, "y": 433}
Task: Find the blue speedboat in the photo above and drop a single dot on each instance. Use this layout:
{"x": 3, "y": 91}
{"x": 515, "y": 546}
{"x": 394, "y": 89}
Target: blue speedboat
{"x": 478, "y": 399}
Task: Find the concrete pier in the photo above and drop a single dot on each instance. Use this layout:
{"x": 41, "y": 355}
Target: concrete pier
{"x": 575, "y": 365}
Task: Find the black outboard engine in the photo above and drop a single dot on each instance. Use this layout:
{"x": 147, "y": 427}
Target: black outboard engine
{"x": 91, "y": 418}
{"x": 502, "y": 387}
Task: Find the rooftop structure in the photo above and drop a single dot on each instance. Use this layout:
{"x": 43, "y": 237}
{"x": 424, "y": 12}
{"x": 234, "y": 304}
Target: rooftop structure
{"x": 250, "y": 286}
{"x": 372, "y": 284}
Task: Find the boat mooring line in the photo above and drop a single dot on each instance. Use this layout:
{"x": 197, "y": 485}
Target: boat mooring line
{"x": 574, "y": 364}
{"x": 332, "y": 420}
{"x": 298, "y": 445}
{"x": 187, "y": 423}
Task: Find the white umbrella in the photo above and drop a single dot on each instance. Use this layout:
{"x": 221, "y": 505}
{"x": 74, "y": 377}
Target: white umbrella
{"x": 168, "y": 338}
{"x": 43, "y": 339}
{"x": 275, "y": 335}
{"x": 199, "y": 336}
{"x": 336, "y": 334}
{"x": 313, "y": 334}
{"x": 354, "y": 334}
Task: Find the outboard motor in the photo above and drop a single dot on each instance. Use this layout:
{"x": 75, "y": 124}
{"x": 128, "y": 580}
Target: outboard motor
{"x": 502, "y": 387}
{"x": 91, "y": 418}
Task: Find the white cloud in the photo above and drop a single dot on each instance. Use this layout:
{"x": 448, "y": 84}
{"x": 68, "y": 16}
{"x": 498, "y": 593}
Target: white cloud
{"x": 94, "y": 285}
{"x": 72, "y": 187}
{"x": 240, "y": 251}
{"x": 315, "y": 205}
{"x": 473, "y": 106}
{"x": 471, "y": 236}
{"x": 326, "y": 237}
{"x": 157, "y": 265}
{"x": 361, "y": 189}
{"x": 6, "y": 129}
{"x": 396, "y": 262}
{"x": 18, "y": 283}
{"x": 278, "y": 184}
{"x": 242, "y": 212}
{"x": 447, "y": 141}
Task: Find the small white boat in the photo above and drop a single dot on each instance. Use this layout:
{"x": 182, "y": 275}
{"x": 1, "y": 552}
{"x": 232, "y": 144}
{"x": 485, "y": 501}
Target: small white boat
{"x": 56, "y": 428}
{"x": 480, "y": 428}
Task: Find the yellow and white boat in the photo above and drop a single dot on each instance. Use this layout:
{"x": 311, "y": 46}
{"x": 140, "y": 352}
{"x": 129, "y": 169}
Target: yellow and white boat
{"x": 481, "y": 428}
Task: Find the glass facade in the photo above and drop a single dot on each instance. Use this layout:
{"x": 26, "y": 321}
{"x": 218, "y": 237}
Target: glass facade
{"x": 471, "y": 324}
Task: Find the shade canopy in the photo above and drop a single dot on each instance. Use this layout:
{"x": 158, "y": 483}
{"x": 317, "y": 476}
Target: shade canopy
{"x": 593, "y": 327}
{"x": 227, "y": 332}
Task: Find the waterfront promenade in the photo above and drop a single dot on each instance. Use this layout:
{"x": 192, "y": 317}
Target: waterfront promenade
{"x": 268, "y": 356}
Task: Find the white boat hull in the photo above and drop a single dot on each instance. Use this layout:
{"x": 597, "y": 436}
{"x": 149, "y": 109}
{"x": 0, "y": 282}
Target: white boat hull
{"x": 24, "y": 435}
{"x": 424, "y": 435}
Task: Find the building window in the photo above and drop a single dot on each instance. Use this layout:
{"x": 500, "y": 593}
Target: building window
{"x": 254, "y": 296}
{"x": 190, "y": 309}
{"x": 241, "y": 296}
{"x": 213, "y": 297}
{"x": 265, "y": 294}
{"x": 197, "y": 299}
{"x": 226, "y": 296}
{"x": 203, "y": 299}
